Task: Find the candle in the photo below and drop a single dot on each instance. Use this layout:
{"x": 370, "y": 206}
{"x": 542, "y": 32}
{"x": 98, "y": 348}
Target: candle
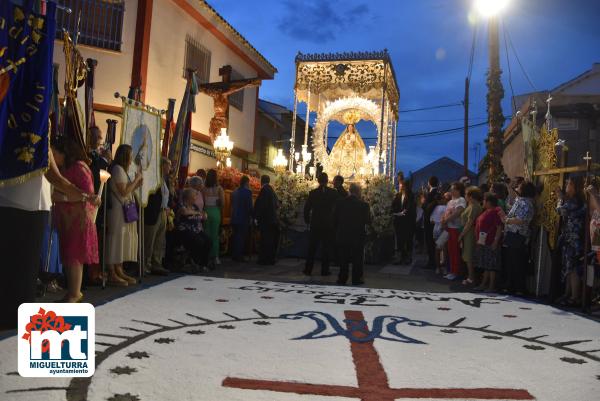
{"x": 104, "y": 176}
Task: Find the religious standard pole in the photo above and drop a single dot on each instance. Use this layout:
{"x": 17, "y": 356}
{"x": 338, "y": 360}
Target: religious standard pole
{"x": 586, "y": 245}
{"x": 466, "y": 129}
{"x": 494, "y": 98}
{"x": 293, "y": 138}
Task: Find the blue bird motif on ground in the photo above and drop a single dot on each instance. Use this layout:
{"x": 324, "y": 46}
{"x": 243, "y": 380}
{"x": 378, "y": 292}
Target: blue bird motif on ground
{"x": 383, "y": 327}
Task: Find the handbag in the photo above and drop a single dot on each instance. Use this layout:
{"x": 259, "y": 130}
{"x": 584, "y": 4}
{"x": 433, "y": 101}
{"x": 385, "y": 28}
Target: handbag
{"x": 130, "y": 208}
{"x": 130, "y": 211}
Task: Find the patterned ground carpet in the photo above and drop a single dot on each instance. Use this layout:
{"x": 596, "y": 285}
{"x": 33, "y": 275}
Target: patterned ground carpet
{"x": 197, "y": 338}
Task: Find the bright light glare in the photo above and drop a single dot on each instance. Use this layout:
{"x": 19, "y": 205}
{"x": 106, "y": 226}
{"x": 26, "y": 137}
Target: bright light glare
{"x": 490, "y": 8}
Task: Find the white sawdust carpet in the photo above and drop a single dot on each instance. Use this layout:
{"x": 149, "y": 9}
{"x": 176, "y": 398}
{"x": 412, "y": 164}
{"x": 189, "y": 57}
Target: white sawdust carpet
{"x": 196, "y": 338}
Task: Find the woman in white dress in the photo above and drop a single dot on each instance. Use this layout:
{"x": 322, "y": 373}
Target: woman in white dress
{"x": 122, "y": 237}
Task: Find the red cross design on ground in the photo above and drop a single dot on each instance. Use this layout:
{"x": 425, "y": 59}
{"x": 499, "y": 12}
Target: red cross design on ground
{"x": 372, "y": 380}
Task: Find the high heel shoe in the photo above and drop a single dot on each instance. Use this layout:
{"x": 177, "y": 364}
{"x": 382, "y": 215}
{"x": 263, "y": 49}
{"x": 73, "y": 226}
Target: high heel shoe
{"x": 124, "y": 276}
{"x": 116, "y": 281}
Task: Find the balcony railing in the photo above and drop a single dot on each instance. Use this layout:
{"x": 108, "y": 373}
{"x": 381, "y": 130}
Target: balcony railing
{"x": 100, "y": 22}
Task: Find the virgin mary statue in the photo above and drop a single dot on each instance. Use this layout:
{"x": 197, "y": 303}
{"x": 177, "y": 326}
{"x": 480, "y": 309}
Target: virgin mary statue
{"x": 348, "y": 154}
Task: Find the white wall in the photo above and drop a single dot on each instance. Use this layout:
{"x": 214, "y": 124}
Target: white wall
{"x": 170, "y": 25}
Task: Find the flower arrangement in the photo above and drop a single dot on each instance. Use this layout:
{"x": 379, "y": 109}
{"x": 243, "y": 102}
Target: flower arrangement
{"x": 229, "y": 178}
{"x": 379, "y": 194}
{"x": 292, "y": 190}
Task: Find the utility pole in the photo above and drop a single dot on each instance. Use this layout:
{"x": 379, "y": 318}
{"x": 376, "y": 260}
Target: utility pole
{"x": 494, "y": 98}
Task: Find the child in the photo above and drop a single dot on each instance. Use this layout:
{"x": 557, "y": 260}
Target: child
{"x": 438, "y": 231}
{"x": 488, "y": 231}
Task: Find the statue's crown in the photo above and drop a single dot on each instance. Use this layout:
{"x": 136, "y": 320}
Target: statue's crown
{"x": 351, "y": 117}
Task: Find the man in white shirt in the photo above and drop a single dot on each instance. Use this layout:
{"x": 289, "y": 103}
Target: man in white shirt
{"x": 24, "y": 211}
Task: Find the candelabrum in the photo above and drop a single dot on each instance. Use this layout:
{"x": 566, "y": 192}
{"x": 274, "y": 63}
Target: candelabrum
{"x": 302, "y": 160}
{"x": 223, "y": 147}
{"x": 371, "y": 164}
{"x": 280, "y": 162}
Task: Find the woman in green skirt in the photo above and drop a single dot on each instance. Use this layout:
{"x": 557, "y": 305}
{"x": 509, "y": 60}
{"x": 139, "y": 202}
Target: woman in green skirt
{"x": 213, "y": 202}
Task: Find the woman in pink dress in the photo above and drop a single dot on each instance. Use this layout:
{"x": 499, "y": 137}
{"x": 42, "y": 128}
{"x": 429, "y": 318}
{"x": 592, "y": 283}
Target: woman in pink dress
{"x": 74, "y": 217}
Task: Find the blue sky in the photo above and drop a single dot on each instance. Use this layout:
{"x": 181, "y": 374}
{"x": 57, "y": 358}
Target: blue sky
{"x": 430, "y": 43}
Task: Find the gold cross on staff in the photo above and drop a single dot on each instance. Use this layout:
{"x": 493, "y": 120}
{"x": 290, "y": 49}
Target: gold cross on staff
{"x": 572, "y": 169}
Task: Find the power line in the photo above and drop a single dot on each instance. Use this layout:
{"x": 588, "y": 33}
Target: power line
{"x": 519, "y": 60}
{"x": 512, "y": 91}
{"x": 440, "y": 132}
{"x": 426, "y": 134}
{"x": 445, "y": 119}
{"x": 440, "y": 120}
{"x": 432, "y": 107}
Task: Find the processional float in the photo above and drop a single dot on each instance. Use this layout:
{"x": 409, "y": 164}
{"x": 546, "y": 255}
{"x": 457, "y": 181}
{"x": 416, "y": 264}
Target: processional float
{"x": 348, "y": 88}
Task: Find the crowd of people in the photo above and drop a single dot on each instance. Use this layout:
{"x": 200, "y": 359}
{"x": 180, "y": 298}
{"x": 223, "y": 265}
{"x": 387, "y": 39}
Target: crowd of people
{"x": 483, "y": 234}
{"x": 479, "y": 234}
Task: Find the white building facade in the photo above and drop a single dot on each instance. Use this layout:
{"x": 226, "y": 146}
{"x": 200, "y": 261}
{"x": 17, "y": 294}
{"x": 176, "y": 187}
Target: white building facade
{"x": 149, "y": 44}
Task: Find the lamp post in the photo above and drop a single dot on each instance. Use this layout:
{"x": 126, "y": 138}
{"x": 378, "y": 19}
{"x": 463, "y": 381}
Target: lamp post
{"x": 490, "y": 9}
{"x": 223, "y": 147}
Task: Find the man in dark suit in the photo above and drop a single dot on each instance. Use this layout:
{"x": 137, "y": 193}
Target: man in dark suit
{"x": 338, "y": 185}
{"x": 265, "y": 212}
{"x": 351, "y": 217}
{"x": 428, "y": 206}
{"x": 155, "y": 224}
{"x": 318, "y": 213}
{"x": 405, "y": 215}
{"x": 241, "y": 214}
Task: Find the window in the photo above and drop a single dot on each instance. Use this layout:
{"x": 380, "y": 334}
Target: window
{"x": 566, "y": 124}
{"x": 197, "y": 58}
{"x": 237, "y": 99}
{"x": 101, "y": 23}
{"x": 265, "y": 148}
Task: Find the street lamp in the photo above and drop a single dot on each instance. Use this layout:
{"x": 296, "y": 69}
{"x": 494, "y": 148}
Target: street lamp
{"x": 223, "y": 147}
{"x": 490, "y": 9}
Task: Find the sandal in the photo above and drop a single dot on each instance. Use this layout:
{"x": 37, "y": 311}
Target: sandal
{"x": 468, "y": 281}
{"x": 77, "y": 300}
{"x": 117, "y": 281}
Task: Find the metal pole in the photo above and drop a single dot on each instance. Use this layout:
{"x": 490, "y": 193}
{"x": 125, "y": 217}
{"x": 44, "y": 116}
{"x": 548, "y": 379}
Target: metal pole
{"x": 539, "y": 262}
{"x": 140, "y": 238}
{"x": 586, "y": 248}
{"x": 380, "y": 140}
{"x": 293, "y": 138}
{"x": 389, "y": 141}
{"x": 307, "y": 117}
{"x": 381, "y": 136}
{"x": 466, "y": 133}
{"x": 395, "y": 145}
{"x": 104, "y": 195}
